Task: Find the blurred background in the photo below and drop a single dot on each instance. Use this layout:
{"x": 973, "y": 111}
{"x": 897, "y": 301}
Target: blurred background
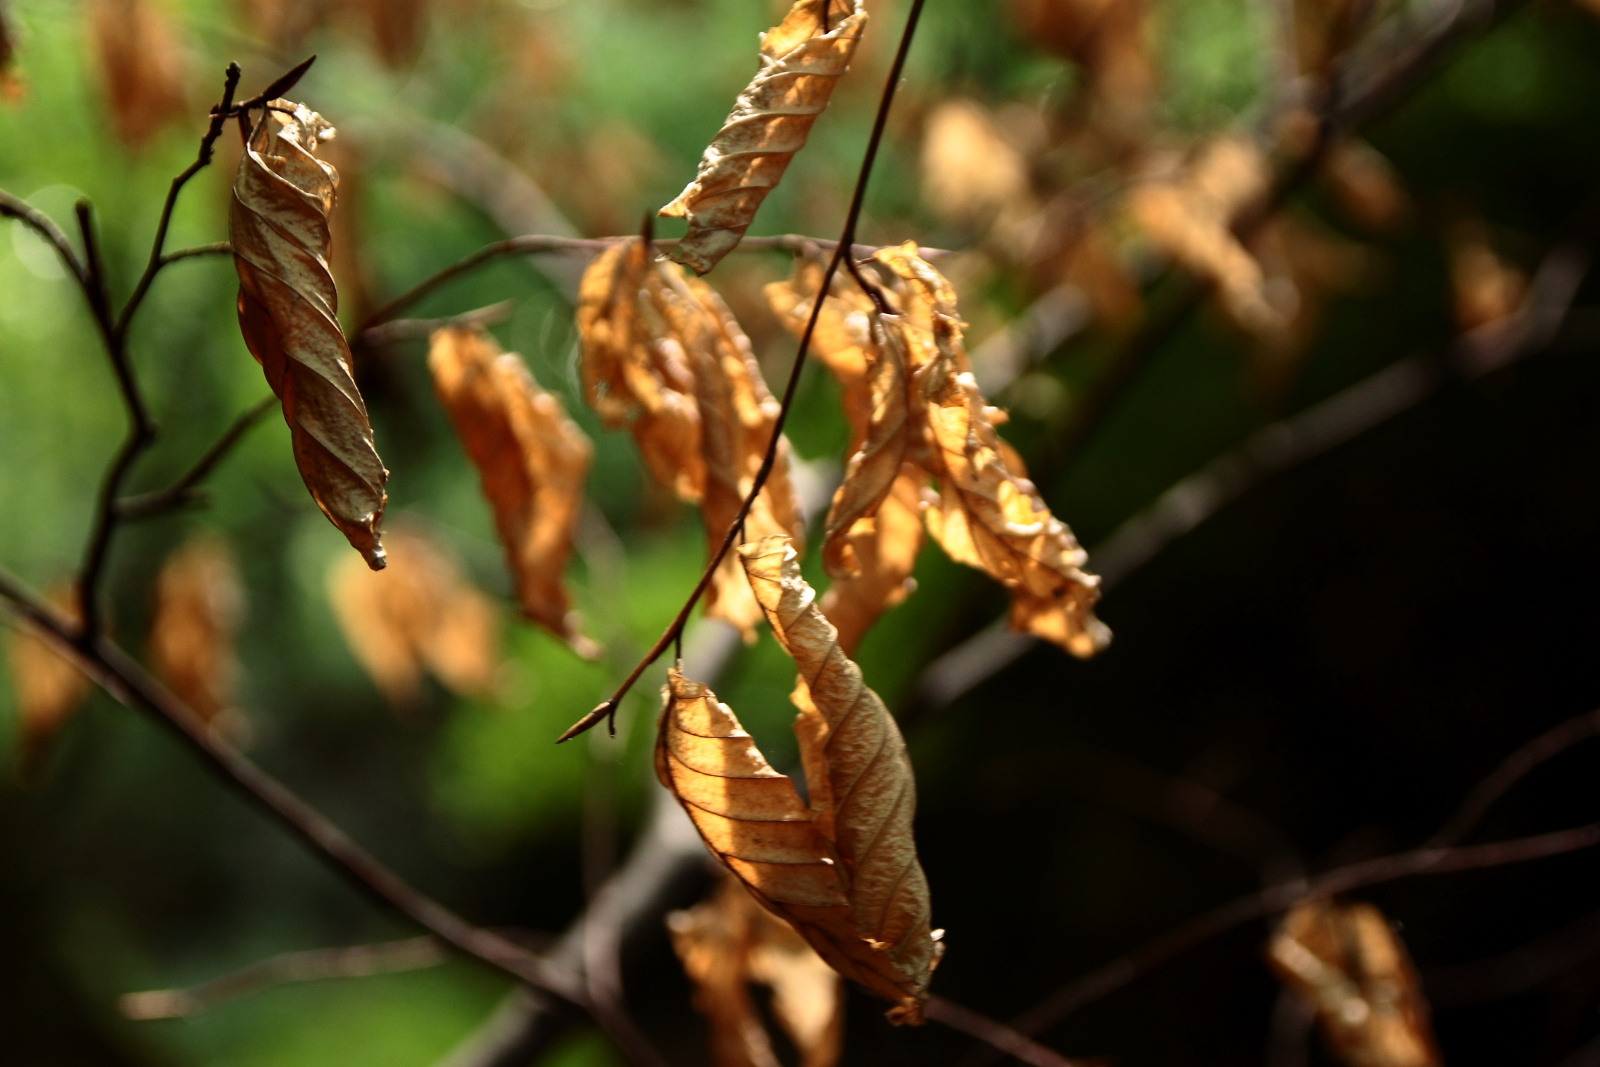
{"x": 1315, "y": 675}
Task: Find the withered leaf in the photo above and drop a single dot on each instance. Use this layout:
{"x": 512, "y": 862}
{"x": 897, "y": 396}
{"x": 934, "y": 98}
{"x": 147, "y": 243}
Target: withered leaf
{"x": 884, "y": 547}
{"x": 418, "y": 614}
{"x": 726, "y": 943}
{"x": 141, "y": 66}
{"x": 800, "y": 64}
{"x": 1487, "y": 288}
{"x": 48, "y": 687}
{"x": 842, "y": 338}
{"x": 10, "y": 84}
{"x": 531, "y": 459}
{"x": 278, "y": 223}
{"x": 199, "y": 604}
{"x": 1345, "y": 963}
{"x": 986, "y": 514}
{"x": 970, "y": 172}
{"x": 633, "y": 374}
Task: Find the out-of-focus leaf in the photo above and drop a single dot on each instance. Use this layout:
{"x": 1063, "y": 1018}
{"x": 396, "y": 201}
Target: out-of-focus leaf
{"x": 532, "y": 461}
{"x": 199, "y": 604}
{"x": 396, "y": 28}
{"x": 1107, "y": 39}
{"x": 288, "y": 307}
{"x": 726, "y": 943}
{"x": 633, "y": 374}
{"x": 141, "y": 66}
{"x": 802, "y": 58}
{"x": 970, "y": 172}
{"x": 419, "y": 613}
{"x": 10, "y": 83}
{"x": 48, "y": 687}
{"x": 986, "y": 514}
{"x": 662, "y": 349}
{"x": 1188, "y": 213}
{"x": 1345, "y": 963}
{"x": 1487, "y": 288}
{"x": 1366, "y": 184}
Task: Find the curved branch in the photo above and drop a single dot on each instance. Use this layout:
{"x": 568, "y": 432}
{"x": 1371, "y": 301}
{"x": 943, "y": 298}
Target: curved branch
{"x": 187, "y": 488}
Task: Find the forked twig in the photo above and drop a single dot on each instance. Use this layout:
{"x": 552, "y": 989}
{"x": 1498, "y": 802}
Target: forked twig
{"x": 187, "y": 488}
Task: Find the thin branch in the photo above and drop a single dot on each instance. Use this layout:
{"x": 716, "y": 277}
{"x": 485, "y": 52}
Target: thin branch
{"x": 994, "y": 1033}
{"x": 14, "y": 207}
{"x": 216, "y": 248}
{"x": 356, "y": 961}
{"x": 117, "y": 673}
{"x": 187, "y": 488}
{"x": 413, "y": 329}
{"x": 845, "y": 246}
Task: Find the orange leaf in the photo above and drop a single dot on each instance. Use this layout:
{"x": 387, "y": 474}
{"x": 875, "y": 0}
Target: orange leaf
{"x": 1345, "y": 963}
{"x": 199, "y": 603}
{"x": 288, "y": 308}
{"x": 800, "y": 64}
{"x": 141, "y": 64}
{"x": 48, "y": 687}
{"x": 531, "y": 459}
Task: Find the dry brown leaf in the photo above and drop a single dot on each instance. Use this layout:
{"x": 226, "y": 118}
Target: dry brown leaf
{"x": 10, "y": 83}
{"x": 841, "y": 341}
{"x": 395, "y": 28}
{"x": 800, "y": 64}
{"x": 1487, "y": 288}
{"x": 1345, "y": 964}
{"x": 986, "y": 513}
{"x": 288, "y": 307}
{"x": 633, "y": 374}
{"x": 141, "y": 67}
{"x": 1107, "y": 38}
{"x": 970, "y": 172}
{"x": 199, "y": 604}
{"x": 47, "y": 687}
{"x": 532, "y": 461}
{"x": 726, "y": 943}
{"x": 419, "y": 613}
{"x": 1365, "y": 183}
{"x": 1189, "y": 213}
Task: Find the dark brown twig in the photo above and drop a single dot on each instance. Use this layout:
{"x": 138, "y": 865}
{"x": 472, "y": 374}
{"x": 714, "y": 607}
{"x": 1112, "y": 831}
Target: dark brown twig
{"x": 13, "y": 207}
{"x": 997, "y": 1035}
{"x": 216, "y": 248}
{"x": 840, "y": 252}
{"x": 187, "y": 488}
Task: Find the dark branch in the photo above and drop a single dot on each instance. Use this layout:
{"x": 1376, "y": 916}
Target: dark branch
{"x": 217, "y": 248}
{"x": 12, "y": 207}
{"x": 187, "y": 489}
{"x": 997, "y": 1035}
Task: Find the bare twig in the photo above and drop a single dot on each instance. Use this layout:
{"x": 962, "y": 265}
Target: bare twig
{"x": 187, "y": 488}
{"x": 216, "y": 248}
{"x": 356, "y": 961}
{"x": 846, "y": 244}
{"x": 412, "y": 329}
{"x": 994, "y": 1033}
{"x": 1513, "y": 973}
{"x": 14, "y": 207}
{"x": 115, "y": 672}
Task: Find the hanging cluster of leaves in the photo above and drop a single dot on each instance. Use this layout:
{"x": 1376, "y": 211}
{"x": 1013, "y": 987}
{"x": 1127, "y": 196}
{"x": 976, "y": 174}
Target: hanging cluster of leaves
{"x": 199, "y": 605}
{"x": 728, "y": 943}
{"x": 802, "y": 59}
{"x": 531, "y": 460}
{"x": 288, "y": 313}
{"x": 662, "y": 354}
{"x": 1344, "y": 962}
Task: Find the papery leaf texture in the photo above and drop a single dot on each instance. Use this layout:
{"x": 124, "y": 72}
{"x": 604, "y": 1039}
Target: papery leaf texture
{"x": 419, "y": 614}
{"x": 199, "y": 605}
{"x": 1346, "y": 964}
{"x": 728, "y": 942}
{"x": 802, "y": 59}
{"x": 141, "y": 67}
{"x": 47, "y": 686}
{"x": 531, "y": 459}
{"x": 288, "y": 307}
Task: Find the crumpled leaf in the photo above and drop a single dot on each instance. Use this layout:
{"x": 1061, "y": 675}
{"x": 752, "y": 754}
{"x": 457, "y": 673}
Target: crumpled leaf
{"x": 1345, "y": 963}
{"x": 199, "y": 604}
{"x": 800, "y": 64}
{"x": 47, "y": 687}
{"x": 842, "y": 340}
{"x": 662, "y": 349}
{"x": 635, "y": 375}
{"x": 532, "y": 461}
{"x": 278, "y": 223}
{"x": 986, "y": 513}
{"x": 726, "y": 943}
{"x": 1188, "y": 213}
{"x": 141, "y": 67}
{"x": 421, "y": 613}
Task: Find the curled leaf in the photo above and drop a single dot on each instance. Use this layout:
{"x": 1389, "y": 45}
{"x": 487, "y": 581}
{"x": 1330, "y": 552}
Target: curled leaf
{"x": 726, "y": 943}
{"x": 199, "y": 604}
{"x": 278, "y": 223}
{"x": 1346, "y": 965}
{"x": 802, "y": 58}
{"x": 419, "y": 614}
{"x": 531, "y": 459}
{"x": 48, "y": 687}
{"x": 141, "y": 67}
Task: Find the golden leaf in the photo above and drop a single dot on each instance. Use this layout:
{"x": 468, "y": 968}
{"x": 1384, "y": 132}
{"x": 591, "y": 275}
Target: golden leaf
{"x": 842, "y": 338}
{"x": 634, "y": 375}
{"x": 1189, "y": 214}
{"x": 278, "y": 223}
{"x": 987, "y": 514}
{"x": 141, "y": 66}
{"x": 726, "y": 943}
{"x": 1365, "y": 183}
{"x": 802, "y": 58}
{"x": 970, "y": 172}
{"x": 48, "y": 687}
{"x": 199, "y": 604}
{"x": 884, "y": 547}
{"x": 1487, "y": 288}
{"x": 419, "y": 613}
{"x": 532, "y": 461}
{"x": 1345, "y": 963}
